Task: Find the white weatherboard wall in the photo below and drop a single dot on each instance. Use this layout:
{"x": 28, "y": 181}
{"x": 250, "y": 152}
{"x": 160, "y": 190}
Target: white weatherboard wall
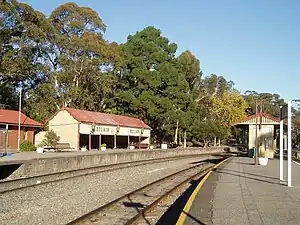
{"x": 267, "y": 131}
{"x": 65, "y": 126}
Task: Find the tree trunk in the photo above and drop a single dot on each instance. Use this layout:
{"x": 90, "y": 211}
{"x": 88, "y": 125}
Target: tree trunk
{"x": 205, "y": 143}
{"x": 215, "y": 141}
{"x": 184, "y": 140}
{"x": 180, "y": 133}
{"x": 219, "y": 142}
{"x": 176, "y": 133}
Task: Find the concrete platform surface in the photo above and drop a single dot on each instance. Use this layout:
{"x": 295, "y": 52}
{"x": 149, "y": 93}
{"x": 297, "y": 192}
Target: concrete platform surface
{"x": 239, "y": 192}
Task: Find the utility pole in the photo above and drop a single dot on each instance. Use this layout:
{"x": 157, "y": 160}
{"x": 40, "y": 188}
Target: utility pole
{"x": 19, "y": 123}
{"x": 6, "y": 139}
{"x": 256, "y": 141}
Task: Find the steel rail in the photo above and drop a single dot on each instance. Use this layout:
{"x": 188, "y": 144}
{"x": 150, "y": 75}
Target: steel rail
{"x": 88, "y": 218}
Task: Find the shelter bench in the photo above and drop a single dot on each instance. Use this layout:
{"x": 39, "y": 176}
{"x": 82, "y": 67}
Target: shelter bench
{"x": 141, "y": 145}
{"x": 59, "y": 147}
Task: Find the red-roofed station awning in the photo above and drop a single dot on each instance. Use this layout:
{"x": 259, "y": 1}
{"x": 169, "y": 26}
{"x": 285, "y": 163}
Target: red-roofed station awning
{"x": 262, "y": 118}
{"x": 11, "y": 117}
{"x": 106, "y": 119}
{"x": 82, "y": 128}
{"x": 264, "y": 135}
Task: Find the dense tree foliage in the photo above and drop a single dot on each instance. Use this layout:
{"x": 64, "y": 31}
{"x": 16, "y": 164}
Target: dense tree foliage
{"x": 64, "y": 60}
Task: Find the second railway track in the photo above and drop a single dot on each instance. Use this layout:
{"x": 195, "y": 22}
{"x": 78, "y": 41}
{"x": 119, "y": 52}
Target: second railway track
{"x": 137, "y": 207}
{"x": 22, "y": 183}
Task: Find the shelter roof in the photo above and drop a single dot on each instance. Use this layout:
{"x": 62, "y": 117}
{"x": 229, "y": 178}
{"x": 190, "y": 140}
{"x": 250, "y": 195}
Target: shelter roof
{"x": 262, "y": 118}
{"x": 105, "y": 118}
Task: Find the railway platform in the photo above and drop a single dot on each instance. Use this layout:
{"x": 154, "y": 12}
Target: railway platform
{"x": 21, "y": 157}
{"x": 29, "y": 164}
{"x": 239, "y": 192}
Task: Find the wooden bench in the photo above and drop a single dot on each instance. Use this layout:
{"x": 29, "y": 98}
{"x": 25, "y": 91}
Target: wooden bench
{"x": 59, "y": 147}
{"x": 141, "y": 145}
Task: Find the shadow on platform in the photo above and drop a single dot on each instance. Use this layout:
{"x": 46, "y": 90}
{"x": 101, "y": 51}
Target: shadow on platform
{"x": 241, "y": 174}
{"x": 251, "y": 174}
{"x": 194, "y": 218}
{"x": 245, "y": 163}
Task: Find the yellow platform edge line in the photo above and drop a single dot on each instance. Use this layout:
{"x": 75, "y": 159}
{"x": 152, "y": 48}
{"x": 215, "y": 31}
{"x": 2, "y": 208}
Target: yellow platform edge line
{"x": 191, "y": 199}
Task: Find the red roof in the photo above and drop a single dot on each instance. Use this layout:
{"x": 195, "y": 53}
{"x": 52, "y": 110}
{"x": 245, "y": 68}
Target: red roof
{"x": 12, "y": 117}
{"x": 105, "y": 118}
{"x": 266, "y": 115}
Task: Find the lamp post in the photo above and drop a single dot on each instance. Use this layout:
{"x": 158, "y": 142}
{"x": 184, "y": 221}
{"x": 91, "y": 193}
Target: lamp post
{"x": 256, "y": 141}
{"x": 115, "y": 137}
{"x": 289, "y": 143}
{"x": 289, "y": 117}
{"x": 281, "y": 145}
{"x": 141, "y": 133}
{"x": 286, "y": 113}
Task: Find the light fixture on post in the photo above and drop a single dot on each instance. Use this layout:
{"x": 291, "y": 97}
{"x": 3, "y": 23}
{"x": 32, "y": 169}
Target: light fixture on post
{"x": 93, "y": 128}
{"x": 115, "y": 136}
{"x": 118, "y": 129}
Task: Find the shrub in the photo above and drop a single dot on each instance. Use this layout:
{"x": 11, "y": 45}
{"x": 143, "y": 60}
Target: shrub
{"x": 51, "y": 139}
{"x": 27, "y": 146}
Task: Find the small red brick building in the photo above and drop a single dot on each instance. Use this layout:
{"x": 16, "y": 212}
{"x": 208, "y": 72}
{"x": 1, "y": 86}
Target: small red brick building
{"x": 10, "y": 118}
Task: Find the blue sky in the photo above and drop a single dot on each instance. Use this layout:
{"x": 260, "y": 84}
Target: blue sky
{"x": 255, "y": 43}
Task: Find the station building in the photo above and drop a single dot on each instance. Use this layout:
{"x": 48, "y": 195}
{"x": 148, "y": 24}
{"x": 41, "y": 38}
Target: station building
{"x": 81, "y": 128}
{"x": 9, "y": 122}
{"x": 267, "y": 132}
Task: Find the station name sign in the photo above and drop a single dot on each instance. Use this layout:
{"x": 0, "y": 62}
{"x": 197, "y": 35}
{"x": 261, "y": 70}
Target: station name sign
{"x": 102, "y": 129}
{"x": 134, "y": 131}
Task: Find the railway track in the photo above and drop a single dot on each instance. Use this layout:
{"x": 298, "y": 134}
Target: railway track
{"x": 22, "y": 183}
{"x": 148, "y": 203}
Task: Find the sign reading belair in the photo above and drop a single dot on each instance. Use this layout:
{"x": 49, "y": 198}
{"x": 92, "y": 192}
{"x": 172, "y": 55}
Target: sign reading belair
{"x": 112, "y": 130}
{"x": 102, "y": 129}
{"x": 134, "y": 131}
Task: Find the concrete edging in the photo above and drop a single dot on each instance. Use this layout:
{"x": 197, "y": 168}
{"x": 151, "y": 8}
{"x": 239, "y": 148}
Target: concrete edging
{"x": 43, "y": 166}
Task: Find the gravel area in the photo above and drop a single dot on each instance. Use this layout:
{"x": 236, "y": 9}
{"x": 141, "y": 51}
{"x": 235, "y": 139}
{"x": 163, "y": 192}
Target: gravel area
{"x": 61, "y": 202}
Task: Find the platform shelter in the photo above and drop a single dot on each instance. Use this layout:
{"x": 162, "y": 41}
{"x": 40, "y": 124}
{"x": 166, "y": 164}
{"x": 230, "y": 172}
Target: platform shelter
{"x": 267, "y": 132}
{"x": 81, "y": 128}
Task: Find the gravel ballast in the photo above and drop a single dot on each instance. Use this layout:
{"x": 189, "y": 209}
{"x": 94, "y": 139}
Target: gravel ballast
{"x": 61, "y": 202}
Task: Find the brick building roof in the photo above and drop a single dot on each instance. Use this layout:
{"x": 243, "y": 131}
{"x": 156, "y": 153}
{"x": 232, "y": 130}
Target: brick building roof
{"x": 105, "y": 118}
{"x": 11, "y": 117}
